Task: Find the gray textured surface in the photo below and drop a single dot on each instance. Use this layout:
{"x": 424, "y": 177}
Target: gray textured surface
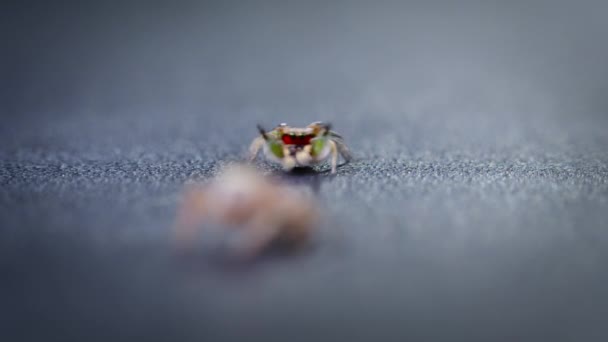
{"x": 476, "y": 208}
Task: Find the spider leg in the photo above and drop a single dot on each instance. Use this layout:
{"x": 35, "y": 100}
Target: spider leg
{"x": 334, "y": 156}
{"x": 262, "y": 132}
{"x": 341, "y": 146}
{"x": 255, "y": 147}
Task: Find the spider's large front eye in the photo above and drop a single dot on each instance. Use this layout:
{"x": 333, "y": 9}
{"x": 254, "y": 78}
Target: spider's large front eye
{"x": 289, "y": 139}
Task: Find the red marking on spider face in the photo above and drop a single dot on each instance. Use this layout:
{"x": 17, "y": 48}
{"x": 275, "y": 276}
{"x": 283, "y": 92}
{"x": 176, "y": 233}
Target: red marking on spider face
{"x": 296, "y": 139}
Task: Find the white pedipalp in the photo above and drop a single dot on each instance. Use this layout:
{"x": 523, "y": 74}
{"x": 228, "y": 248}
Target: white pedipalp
{"x": 304, "y": 158}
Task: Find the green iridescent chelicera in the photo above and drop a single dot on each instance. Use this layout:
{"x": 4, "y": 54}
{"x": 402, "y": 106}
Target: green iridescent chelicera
{"x": 276, "y": 147}
{"x": 318, "y": 145}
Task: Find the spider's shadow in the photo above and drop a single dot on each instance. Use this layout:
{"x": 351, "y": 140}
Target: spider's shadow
{"x": 304, "y": 176}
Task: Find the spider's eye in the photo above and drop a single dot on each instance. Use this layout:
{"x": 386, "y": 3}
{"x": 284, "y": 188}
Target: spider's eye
{"x": 289, "y": 139}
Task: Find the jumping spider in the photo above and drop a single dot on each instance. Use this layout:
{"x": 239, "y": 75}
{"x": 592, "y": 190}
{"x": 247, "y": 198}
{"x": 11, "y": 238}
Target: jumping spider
{"x": 301, "y": 147}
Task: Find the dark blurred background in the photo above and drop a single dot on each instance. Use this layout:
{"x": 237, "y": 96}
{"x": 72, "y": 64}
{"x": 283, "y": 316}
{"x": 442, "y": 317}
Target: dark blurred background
{"x": 493, "y": 72}
{"x": 476, "y": 209}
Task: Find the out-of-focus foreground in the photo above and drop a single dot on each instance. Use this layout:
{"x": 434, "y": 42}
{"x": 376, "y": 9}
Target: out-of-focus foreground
{"x": 241, "y": 216}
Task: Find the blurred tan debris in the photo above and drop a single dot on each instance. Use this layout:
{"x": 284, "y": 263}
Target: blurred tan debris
{"x": 254, "y": 211}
